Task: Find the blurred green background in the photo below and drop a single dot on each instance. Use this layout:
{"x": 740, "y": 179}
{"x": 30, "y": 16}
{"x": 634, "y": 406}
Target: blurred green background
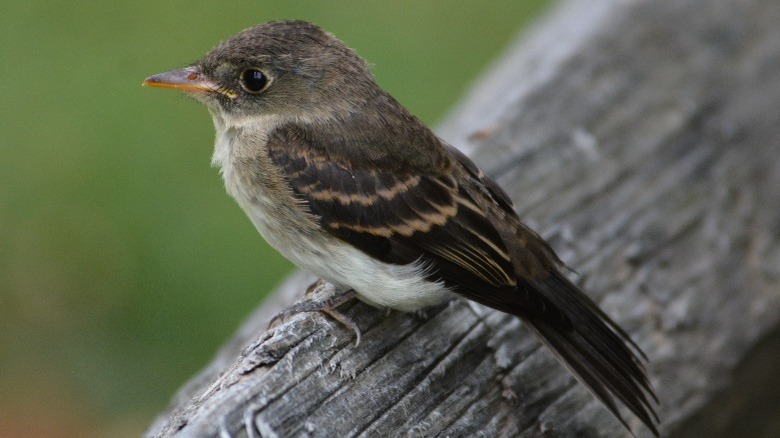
{"x": 123, "y": 263}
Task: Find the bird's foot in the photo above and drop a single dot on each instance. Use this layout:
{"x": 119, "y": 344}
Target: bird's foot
{"x": 327, "y": 306}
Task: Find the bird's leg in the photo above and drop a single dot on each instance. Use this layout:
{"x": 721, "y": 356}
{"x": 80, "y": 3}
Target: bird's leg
{"x": 327, "y": 306}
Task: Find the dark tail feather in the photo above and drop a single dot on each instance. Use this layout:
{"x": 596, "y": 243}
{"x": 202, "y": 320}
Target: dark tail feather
{"x": 598, "y": 352}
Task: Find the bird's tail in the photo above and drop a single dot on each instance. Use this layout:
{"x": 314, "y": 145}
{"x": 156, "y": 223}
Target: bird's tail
{"x": 598, "y": 352}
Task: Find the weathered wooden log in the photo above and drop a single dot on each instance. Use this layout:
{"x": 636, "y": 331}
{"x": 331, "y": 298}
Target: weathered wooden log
{"x": 642, "y": 138}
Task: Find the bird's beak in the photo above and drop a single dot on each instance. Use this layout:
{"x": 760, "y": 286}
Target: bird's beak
{"x": 187, "y": 79}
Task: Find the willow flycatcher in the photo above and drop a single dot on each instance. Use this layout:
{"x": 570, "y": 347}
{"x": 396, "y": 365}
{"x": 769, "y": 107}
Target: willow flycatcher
{"x": 349, "y": 185}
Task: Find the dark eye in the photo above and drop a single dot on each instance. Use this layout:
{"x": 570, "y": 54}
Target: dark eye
{"x": 254, "y": 80}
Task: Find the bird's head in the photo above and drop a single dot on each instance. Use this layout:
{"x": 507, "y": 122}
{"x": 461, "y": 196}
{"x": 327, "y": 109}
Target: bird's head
{"x": 283, "y": 68}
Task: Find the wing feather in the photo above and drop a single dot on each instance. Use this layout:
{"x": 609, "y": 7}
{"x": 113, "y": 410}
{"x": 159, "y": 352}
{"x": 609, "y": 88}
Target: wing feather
{"x": 398, "y": 217}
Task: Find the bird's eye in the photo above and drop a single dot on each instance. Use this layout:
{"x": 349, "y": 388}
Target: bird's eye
{"x": 254, "y": 80}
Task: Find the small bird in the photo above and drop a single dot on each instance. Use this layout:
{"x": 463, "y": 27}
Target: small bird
{"x": 346, "y": 183}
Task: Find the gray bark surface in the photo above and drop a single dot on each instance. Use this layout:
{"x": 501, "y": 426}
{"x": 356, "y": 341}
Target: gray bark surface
{"x": 641, "y": 138}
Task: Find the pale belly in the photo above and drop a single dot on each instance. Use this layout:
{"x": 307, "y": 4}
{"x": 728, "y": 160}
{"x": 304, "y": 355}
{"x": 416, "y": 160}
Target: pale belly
{"x": 400, "y": 287}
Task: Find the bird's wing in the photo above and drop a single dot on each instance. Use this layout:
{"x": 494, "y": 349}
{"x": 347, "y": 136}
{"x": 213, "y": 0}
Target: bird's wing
{"x": 463, "y": 226}
{"x": 450, "y": 217}
{"x": 403, "y": 216}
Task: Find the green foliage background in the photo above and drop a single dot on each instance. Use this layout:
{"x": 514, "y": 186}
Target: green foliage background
{"x": 123, "y": 264}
